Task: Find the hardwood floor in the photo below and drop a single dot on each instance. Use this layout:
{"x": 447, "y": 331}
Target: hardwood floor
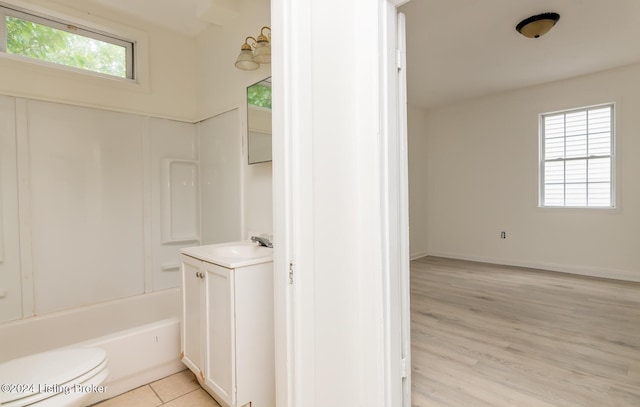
{"x": 496, "y": 336}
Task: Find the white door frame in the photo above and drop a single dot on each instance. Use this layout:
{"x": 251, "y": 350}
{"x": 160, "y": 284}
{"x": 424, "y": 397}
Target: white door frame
{"x": 396, "y": 209}
{"x": 291, "y": 64}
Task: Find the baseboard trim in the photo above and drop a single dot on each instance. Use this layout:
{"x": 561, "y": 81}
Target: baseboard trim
{"x": 417, "y": 256}
{"x": 613, "y": 274}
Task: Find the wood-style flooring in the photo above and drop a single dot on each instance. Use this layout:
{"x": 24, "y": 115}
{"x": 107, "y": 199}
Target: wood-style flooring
{"x": 496, "y": 336}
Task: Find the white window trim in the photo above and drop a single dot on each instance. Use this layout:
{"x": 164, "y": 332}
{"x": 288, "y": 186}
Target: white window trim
{"x": 130, "y": 45}
{"x": 3, "y": 30}
{"x": 614, "y": 193}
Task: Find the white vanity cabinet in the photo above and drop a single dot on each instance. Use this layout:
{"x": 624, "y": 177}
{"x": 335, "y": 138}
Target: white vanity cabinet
{"x": 193, "y": 311}
{"x": 227, "y": 330}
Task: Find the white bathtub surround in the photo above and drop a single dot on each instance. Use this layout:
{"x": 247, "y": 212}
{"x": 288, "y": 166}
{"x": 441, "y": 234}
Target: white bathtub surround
{"x": 89, "y": 266}
{"x": 86, "y": 201}
{"x": 101, "y": 204}
{"x": 87, "y": 197}
{"x": 221, "y": 178}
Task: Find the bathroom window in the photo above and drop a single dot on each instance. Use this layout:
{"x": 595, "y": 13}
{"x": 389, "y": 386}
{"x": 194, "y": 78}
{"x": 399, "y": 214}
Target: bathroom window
{"x": 54, "y": 41}
{"x": 577, "y": 158}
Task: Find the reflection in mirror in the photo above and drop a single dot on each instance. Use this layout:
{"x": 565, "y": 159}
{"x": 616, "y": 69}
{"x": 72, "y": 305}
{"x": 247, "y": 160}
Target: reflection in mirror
{"x": 259, "y": 121}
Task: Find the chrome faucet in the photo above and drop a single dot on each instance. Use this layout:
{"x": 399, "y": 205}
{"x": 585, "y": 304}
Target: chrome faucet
{"x": 262, "y": 241}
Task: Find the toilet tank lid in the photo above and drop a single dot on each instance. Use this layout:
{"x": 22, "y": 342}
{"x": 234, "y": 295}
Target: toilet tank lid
{"x": 51, "y": 368}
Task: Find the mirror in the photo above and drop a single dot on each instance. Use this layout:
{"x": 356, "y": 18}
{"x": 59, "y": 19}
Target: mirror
{"x": 259, "y": 121}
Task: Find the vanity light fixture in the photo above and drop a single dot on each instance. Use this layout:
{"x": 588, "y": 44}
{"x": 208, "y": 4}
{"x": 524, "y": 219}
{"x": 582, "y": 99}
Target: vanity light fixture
{"x": 259, "y": 52}
{"x": 538, "y": 25}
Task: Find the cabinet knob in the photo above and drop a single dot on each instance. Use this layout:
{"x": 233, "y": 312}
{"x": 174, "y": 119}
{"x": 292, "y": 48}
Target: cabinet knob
{"x": 199, "y": 274}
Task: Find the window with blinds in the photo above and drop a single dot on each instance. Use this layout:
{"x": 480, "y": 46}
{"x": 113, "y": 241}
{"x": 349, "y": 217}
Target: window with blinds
{"x": 576, "y": 158}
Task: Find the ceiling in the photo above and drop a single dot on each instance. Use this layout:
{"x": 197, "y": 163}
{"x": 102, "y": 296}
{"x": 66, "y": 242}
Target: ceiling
{"x": 461, "y": 49}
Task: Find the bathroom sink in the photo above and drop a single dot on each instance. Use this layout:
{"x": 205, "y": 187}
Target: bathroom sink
{"x": 241, "y": 251}
{"x": 232, "y": 254}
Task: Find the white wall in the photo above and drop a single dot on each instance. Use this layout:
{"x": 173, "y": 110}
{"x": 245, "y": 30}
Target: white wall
{"x": 482, "y": 174}
{"x": 258, "y": 199}
{"x": 236, "y": 197}
{"x": 223, "y": 89}
{"x": 167, "y": 81}
{"x": 221, "y": 85}
{"x": 417, "y": 140}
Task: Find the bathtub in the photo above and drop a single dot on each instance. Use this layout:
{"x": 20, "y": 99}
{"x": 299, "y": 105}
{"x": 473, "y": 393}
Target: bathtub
{"x": 140, "y": 334}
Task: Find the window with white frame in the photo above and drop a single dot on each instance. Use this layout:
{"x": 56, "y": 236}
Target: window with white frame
{"x": 47, "y": 39}
{"x": 577, "y": 158}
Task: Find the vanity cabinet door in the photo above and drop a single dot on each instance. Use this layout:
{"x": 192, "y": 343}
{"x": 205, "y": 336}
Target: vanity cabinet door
{"x": 220, "y": 371}
{"x": 193, "y": 315}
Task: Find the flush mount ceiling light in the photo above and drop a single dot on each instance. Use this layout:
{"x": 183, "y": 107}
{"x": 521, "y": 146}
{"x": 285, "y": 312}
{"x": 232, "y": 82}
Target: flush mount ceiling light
{"x": 536, "y": 26}
{"x": 259, "y": 52}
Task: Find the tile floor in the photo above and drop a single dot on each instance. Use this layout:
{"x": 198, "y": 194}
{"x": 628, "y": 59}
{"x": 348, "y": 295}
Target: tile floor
{"x": 178, "y": 390}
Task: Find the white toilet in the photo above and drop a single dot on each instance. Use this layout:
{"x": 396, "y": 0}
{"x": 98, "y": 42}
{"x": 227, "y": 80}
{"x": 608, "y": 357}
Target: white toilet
{"x": 59, "y": 378}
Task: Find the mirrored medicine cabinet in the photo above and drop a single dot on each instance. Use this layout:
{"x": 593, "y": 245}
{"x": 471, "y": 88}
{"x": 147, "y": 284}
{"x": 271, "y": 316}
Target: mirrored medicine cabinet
{"x": 259, "y": 121}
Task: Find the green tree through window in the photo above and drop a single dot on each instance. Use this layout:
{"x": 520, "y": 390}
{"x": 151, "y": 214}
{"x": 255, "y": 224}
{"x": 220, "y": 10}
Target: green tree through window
{"x": 259, "y": 95}
{"x": 49, "y": 44}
